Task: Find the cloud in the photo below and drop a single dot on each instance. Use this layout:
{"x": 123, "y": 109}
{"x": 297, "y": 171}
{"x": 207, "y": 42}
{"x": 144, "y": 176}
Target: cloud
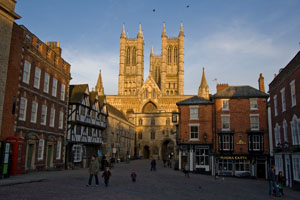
{"x": 85, "y": 66}
{"x": 234, "y": 55}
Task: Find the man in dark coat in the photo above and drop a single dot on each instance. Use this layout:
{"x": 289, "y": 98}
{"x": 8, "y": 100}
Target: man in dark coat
{"x": 272, "y": 183}
{"x": 106, "y": 175}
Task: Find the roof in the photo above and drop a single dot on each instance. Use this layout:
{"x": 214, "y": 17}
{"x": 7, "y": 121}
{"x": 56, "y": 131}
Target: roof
{"x": 240, "y": 92}
{"x": 93, "y": 95}
{"x": 76, "y": 92}
{"x": 114, "y": 111}
{"x": 195, "y": 100}
{"x": 286, "y": 71}
{"x": 101, "y": 100}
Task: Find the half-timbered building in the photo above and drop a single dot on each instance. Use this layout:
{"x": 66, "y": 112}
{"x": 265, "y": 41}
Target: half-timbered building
{"x": 87, "y": 120}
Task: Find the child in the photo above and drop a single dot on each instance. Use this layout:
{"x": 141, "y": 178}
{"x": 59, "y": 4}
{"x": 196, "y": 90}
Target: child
{"x": 133, "y": 176}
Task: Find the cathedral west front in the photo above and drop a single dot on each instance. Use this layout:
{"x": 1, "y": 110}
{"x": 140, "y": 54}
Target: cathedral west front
{"x": 149, "y": 104}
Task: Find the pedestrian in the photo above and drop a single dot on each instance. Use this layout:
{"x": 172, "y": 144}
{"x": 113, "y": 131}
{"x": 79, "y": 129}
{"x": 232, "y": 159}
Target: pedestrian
{"x": 133, "y": 176}
{"x": 93, "y": 171}
{"x": 106, "y": 175}
{"x": 164, "y": 161}
{"x": 112, "y": 162}
{"x": 272, "y": 184}
{"x": 280, "y": 181}
{"x": 153, "y": 165}
{"x": 187, "y": 170}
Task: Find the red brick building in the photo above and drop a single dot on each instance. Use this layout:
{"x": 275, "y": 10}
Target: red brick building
{"x": 195, "y": 127}
{"x": 227, "y": 133}
{"x": 285, "y": 115}
{"x": 36, "y": 100}
{"x": 241, "y": 130}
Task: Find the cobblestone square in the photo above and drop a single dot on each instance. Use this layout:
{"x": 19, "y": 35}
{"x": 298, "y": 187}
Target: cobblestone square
{"x": 165, "y": 183}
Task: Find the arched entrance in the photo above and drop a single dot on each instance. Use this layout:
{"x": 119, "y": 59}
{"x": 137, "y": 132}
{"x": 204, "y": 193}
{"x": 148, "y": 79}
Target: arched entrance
{"x": 166, "y": 149}
{"x": 146, "y": 152}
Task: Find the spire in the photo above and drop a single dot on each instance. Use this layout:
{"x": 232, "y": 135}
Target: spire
{"x": 99, "y": 86}
{"x": 127, "y": 35}
{"x": 140, "y": 33}
{"x": 123, "y": 31}
{"x": 152, "y": 50}
{"x": 203, "y": 90}
{"x": 164, "y": 30}
{"x": 181, "y": 30}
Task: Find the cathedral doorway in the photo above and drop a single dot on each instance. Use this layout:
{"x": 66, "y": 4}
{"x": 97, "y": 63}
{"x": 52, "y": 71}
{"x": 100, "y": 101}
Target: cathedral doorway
{"x": 146, "y": 152}
{"x": 167, "y": 149}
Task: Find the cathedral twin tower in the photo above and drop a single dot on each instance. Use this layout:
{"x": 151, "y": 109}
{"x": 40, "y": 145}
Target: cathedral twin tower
{"x": 166, "y": 69}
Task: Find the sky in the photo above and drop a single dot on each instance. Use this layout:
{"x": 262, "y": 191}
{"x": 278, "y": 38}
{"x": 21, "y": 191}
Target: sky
{"x": 233, "y": 40}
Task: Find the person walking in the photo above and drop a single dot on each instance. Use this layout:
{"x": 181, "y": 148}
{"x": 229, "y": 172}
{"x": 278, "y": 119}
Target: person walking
{"x": 272, "y": 179}
{"x": 106, "y": 175}
{"x": 281, "y": 181}
{"x": 153, "y": 165}
{"x": 93, "y": 171}
{"x": 187, "y": 170}
{"x": 133, "y": 176}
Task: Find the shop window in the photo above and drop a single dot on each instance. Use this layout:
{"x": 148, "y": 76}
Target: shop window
{"x": 202, "y": 156}
{"x": 77, "y": 153}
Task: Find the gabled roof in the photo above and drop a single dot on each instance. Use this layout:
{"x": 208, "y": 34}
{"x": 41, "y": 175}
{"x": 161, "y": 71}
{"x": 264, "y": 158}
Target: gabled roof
{"x": 76, "y": 92}
{"x": 195, "y": 100}
{"x": 114, "y": 111}
{"x": 93, "y": 96}
{"x": 101, "y": 100}
{"x": 240, "y": 92}
{"x": 150, "y": 82}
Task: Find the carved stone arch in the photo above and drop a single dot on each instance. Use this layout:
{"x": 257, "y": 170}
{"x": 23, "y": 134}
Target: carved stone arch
{"x": 149, "y": 107}
{"x": 32, "y": 136}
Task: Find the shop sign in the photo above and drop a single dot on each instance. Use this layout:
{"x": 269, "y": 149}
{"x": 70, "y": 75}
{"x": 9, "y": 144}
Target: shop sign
{"x": 233, "y": 157}
{"x": 241, "y": 142}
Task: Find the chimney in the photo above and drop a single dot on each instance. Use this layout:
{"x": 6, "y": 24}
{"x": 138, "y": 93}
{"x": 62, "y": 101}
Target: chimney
{"x": 261, "y": 83}
{"x": 222, "y": 86}
{"x": 55, "y": 46}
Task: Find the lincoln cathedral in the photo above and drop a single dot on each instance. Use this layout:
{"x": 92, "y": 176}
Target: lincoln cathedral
{"x": 149, "y": 104}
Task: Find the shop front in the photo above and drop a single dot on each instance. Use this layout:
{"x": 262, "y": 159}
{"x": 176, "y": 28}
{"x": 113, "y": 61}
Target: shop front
{"x": 197, "y": 157}
{"x": 241, "y": 166}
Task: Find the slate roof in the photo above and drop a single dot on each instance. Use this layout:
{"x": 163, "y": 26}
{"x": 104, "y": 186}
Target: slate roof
{"x": 114, "y": 111}
{"x": 76, "y": 92}
{"x": 240, "y": 92}
{"x": 195, "y": 100}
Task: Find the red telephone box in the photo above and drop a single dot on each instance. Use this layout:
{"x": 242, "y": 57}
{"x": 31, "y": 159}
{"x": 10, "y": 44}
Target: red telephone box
{"x": 17, "y": 155}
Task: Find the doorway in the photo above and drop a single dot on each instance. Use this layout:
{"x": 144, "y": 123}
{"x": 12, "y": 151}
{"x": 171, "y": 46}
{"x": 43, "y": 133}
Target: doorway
{"x": 167, "y": 149}
{"x": 261, "y": 169}
{"x": 50, "y": 156}
{"x": 146, "y": 152}
{"x": 288, "y": 171}
{"x": 29, "y": 156}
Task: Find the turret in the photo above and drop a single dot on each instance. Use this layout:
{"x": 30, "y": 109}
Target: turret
{"x": 140, "y": 33}
{"x": 164, "y": 57}
{"x": 203, "y": 90}
{"x": 181, "y": 61}
{"x": 99, "y": 86}
{"x": 122, "y": 61}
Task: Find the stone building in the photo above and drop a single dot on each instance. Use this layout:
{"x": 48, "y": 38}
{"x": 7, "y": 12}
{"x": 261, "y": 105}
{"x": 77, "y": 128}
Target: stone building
{"x": 7, "y": 17}
{"x": 285, "y": 121}
{"x": 149, "y": 105}
{"x": 241, "y": 131}
{"x": 36, "y": 100}
{"x": 87, "y": 120}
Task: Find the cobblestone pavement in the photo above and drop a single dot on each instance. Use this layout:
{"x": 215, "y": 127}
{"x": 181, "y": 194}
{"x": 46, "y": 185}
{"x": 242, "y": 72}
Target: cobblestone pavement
{"x": 165, "y": 183}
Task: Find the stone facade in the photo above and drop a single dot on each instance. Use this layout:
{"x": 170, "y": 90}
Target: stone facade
{"x": 150, "y": 104}
{"x": 7, "y": 17}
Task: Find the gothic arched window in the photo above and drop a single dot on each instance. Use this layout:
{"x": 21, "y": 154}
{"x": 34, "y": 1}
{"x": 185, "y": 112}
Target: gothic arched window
{"x": 169, "y": 55}
{"x": 128, "y": 56}
{"x": 175, "y": 56}
{"x": 133, "y": 56}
